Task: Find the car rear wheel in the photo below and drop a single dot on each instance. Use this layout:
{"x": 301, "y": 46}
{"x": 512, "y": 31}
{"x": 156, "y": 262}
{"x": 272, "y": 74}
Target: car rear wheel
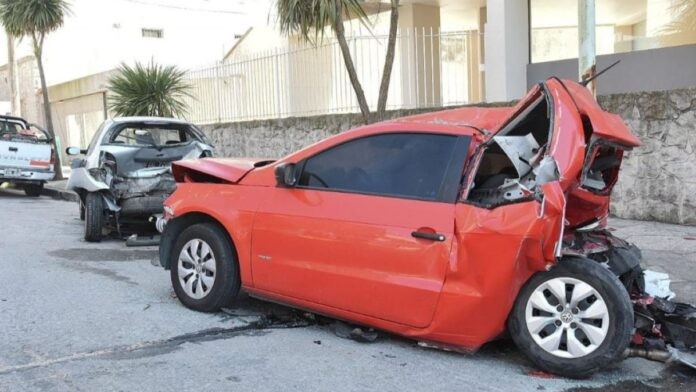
{"x": 33, "y": 190}
{"x": 204, "y": 268}
{"x": 574, "y": 319}
{"x": 94, "y": 217}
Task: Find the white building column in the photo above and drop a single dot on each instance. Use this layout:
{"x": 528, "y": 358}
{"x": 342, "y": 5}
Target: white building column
{"x": 420, "y": 55}
{"x": 506, "y": 49}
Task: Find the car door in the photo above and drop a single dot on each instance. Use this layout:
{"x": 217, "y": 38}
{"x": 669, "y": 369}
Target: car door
{"x": 368, "y": 228}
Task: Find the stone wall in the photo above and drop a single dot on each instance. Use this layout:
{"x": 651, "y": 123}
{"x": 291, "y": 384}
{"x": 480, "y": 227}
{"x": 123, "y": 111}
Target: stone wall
{"x": 279, "y": 137}
{"x": 657, "y": 181}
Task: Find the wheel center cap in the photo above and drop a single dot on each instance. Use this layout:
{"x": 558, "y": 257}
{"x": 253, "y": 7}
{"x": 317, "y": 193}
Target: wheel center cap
{"x": 198, "y": 269}
{"x": 566, "y": 317}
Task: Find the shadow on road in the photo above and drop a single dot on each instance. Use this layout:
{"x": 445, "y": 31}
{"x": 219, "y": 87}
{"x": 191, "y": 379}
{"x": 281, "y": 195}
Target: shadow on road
{"x": 10, "y": 193}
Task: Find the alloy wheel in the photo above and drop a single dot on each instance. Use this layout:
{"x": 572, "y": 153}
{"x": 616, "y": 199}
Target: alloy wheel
{"x": 196, "y": 268}
{"x": 567, "y": 317}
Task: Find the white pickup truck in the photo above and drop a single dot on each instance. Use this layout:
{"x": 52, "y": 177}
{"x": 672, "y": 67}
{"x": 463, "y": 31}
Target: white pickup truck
{"x": 26, "y": 155}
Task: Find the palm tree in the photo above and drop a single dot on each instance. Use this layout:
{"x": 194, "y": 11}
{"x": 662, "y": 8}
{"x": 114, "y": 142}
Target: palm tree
{"x": 12, "y": 75}
{"x": 310, "y": 18}
{"x": 389, "y": 61}
{"x": 685, "y": 21}
{"x": 36, "y": 19}
{"x": 148, "y": 90}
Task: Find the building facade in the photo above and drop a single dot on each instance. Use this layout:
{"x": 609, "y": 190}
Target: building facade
{"x": 448, "y": 53}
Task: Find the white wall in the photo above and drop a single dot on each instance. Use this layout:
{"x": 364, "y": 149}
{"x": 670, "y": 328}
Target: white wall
{"x": 507, "y": 50}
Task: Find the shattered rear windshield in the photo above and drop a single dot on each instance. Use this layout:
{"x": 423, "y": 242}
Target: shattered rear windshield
{"x": 150, "y": 135}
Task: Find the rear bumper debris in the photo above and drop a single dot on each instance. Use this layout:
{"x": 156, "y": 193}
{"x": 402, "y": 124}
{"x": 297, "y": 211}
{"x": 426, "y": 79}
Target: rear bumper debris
{"x": 136, "y": 240}
{"x": 664, "y": 329}
{"x": 670, "y": 355}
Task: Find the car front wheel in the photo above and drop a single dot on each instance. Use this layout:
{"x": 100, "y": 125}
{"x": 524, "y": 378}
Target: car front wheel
{"x": 573, "y": 320}
{"x": 204, "y": 268}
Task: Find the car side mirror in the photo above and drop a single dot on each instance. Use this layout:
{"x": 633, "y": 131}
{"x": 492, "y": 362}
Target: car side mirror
{"x": 75, "y": 151}
{"x": 285, "y": 175}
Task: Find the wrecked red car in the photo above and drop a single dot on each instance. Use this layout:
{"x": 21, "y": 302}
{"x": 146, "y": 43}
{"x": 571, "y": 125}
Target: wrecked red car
{"x": 450, "y": 228}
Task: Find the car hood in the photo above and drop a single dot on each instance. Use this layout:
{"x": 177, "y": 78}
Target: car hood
{"x": 215, "y": 170}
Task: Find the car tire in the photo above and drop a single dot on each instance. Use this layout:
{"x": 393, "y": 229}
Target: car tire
{"x": 569, "y": 344}
{"x": 204, "y": 268}
{"x": 33, "y": 190}
{"x": 81, "y": 206}
{"x": 94, "y": 217}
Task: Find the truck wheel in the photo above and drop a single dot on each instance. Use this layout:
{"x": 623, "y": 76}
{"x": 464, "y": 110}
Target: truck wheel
{"x": 33, "y": 190}
{"x": 94, "y": 217}
{"x": 573, "y": 320}
{"x": 204, "y": 268}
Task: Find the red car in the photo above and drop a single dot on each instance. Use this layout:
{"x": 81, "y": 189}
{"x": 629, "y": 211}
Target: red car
{"x": 448, "y": 227}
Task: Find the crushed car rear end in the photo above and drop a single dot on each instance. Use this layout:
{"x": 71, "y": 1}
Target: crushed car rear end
{"x": 535, "y": 204}
{"x": 126, "y": 173}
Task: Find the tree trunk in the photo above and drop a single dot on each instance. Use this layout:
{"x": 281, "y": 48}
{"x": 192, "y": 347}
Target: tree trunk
{"x": 389, "y": 60}
{"x": 348, "y": 60}
{"x": 48, "y": 118}
{"x": 13, "y": 75}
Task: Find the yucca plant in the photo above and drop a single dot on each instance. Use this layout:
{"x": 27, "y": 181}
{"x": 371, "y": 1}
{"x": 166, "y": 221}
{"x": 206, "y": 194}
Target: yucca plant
{"x": 148, "y": 90}
{"x": 36, "y": 19}
{"x": 309, "y": 18}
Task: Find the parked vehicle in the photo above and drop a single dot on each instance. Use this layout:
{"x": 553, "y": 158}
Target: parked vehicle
{"x": 126, "y": 172}
{"x": 26, "y": 155}
{"x": 448, "y": 227}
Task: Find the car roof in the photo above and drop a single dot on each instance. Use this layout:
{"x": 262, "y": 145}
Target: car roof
{"x": 468, "y": 119}
{"x": 149, "y": 119}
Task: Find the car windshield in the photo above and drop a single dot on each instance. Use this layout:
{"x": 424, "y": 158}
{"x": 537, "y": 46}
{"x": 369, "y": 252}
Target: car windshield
{"x": 149, "y": 135}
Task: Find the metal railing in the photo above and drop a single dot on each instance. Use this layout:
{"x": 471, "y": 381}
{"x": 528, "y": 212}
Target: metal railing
{"x": 431, "y": 69}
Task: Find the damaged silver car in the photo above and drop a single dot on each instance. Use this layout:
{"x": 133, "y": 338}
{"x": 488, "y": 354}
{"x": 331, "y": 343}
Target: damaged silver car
{"x": 126, "y": 172}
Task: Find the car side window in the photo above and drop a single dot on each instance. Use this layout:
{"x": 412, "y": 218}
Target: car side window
{"x": 411, "y": 165}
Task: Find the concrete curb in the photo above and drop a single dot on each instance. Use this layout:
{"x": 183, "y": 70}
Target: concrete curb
{"x": 59, "y": 194}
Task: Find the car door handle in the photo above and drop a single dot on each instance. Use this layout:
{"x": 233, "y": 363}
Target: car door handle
{"x": 13, "y": 149}
{"x": 428, "y": 236}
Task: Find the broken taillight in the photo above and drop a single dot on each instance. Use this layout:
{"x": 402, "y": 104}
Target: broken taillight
{"x": 168, "y": 212}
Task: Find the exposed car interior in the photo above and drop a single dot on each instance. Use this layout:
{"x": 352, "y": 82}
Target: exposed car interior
{"x": 601, "y": 175}
{"x": 514, "y": 159}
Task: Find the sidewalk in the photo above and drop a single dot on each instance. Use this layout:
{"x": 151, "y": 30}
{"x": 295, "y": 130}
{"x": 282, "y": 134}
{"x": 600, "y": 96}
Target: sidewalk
{"x": 57, "y": 190}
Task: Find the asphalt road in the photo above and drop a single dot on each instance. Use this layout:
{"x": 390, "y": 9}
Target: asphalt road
{"x": 82, "y": 317}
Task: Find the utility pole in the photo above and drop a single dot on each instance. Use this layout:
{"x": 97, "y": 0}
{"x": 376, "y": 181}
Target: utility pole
{"x": 587, "y": 63}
